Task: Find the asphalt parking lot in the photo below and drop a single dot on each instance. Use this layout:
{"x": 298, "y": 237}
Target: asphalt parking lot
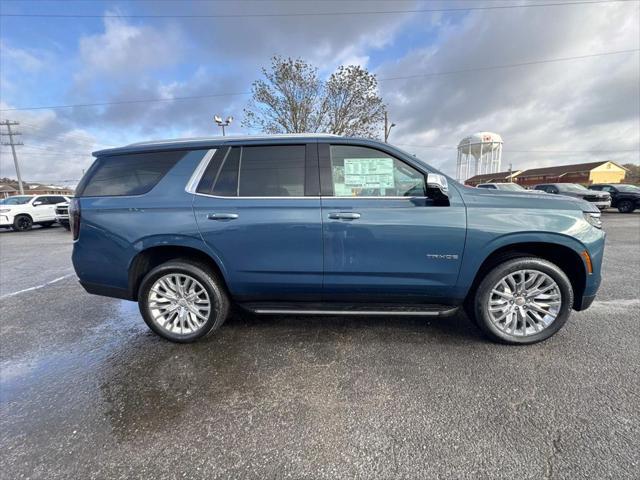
{"x": 86, "y": 391}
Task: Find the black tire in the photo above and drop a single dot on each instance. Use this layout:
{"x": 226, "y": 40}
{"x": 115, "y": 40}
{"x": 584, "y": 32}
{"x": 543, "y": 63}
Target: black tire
{"x": 481, "y": 300}
{"x": 626, "y": 206}
{"x": 46, "y": 224}
{"x": 22, "y": 223}
{"x": 211, "y": 283}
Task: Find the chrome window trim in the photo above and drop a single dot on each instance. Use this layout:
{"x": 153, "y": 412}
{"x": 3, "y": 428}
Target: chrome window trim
{"x": 193, "y": 182}
{"x": 307, "y": 197}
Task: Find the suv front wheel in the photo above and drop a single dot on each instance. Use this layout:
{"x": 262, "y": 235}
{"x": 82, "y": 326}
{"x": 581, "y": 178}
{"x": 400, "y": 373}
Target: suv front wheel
{"x": 22, "y": 223}
{"x": 182, "y": 301}
{"x": 523, "y": 301}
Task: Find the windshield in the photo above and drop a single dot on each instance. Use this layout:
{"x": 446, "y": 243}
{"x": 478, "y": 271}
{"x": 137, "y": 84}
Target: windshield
{"x": 511, "y": 186}
{"x": 15, "y": 200}
{"x": 571, "y": 187}
{"x": 628, "y": 188}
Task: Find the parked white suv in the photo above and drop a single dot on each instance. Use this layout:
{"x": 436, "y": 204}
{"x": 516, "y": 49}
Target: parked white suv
{"x": 21, "y": 212}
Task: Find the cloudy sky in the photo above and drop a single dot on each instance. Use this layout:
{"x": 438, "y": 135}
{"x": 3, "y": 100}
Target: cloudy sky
{"x": 113, "y": 55}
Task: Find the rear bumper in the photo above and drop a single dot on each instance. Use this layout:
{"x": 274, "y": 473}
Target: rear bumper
{"x": 106, "y": 291}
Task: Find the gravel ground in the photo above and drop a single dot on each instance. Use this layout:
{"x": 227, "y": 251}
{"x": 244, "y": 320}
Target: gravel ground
{"x": 86, "y": 391}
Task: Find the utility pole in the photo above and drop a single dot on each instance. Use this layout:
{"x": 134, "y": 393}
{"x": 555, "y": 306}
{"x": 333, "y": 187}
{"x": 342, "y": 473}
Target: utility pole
{"x": 387, "y": 127}
{"x": 13, "y": 144}
{"x": 510, "y": 173}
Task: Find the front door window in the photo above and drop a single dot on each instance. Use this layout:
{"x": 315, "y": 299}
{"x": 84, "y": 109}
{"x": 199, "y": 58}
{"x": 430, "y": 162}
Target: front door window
{"x": 365, "y": 172}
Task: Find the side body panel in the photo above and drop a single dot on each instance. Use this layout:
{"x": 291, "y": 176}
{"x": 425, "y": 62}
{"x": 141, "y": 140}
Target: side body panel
{"x": 399, "y": 249}
{"x": 271, "y": 251}
{"x": 115, "y": 229}
{"x": 271, "y": 246}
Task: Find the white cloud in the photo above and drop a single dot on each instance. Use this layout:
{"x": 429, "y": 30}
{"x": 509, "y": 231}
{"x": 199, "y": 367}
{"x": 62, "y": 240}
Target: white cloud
{"x": 589, "y": 104}
{"x": 124, "y": 49}
{"x": 24, "y": 59}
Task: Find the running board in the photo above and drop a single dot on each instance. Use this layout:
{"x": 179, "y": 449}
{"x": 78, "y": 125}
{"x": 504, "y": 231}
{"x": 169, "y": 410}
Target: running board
{"x": 343, "y": 309}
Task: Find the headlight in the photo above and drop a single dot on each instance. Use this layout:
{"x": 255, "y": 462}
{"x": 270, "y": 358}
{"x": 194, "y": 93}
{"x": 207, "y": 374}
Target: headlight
{"x": 593, "y": 218}
{"x": 5, "y": 210}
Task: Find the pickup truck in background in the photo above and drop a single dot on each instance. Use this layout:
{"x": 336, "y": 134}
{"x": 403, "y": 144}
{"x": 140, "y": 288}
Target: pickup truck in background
{"x": 602, "y": 200}
{"x": 62, "y": 215}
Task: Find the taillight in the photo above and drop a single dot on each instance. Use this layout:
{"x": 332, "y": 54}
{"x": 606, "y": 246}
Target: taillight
{"x": 74, "y": 217}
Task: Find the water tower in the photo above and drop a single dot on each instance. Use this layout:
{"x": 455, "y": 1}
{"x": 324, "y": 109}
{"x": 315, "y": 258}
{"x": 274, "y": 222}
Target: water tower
{"x": 479, "y": 153}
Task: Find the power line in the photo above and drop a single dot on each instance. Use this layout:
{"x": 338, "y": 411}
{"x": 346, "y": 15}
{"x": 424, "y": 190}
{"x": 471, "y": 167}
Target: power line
{"x": 75, "y": 137}
{"x": 48, "y": 151}
{"x": 314, "y": 14}
{"x": 510, "y": 65}
{"x": 433, "y": 74}
{"x": 66, "y": 140}
{"x": 125, "y": 102}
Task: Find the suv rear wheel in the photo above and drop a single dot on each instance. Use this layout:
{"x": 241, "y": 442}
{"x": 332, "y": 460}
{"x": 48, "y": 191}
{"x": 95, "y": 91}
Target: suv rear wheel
{"x": 182, "y": 301}
{"x": 523, "y": 301}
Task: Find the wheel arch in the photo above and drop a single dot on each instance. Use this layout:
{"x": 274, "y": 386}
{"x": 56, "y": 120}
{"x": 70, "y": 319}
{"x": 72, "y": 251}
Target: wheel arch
{"x": 155, "y": 255}
{"x": 565, "y": 257}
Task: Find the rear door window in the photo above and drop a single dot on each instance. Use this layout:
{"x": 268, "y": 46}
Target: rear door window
{"x": 133, "y": 174}
{"x": 226, "y": 183}
{"x": 272, "y": 171}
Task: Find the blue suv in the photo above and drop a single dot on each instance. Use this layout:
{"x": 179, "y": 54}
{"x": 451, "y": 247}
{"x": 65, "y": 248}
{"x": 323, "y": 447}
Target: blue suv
{"x": 325, "y": 225}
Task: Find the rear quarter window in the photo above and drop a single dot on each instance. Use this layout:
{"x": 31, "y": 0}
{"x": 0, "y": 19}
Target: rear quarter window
{"x": 133, "y": 174}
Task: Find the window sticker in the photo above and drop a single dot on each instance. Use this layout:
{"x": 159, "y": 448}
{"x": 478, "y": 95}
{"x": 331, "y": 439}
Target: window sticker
{"x": 369, "y": 173}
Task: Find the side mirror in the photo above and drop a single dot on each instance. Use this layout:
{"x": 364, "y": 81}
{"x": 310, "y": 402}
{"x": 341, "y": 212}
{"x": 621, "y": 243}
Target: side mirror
{"x": 35, "y": 204}
{"x": 435, "y": 181}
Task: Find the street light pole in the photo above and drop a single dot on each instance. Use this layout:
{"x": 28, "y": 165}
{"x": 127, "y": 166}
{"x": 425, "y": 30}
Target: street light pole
{"x": 387, "y": 128}
{"x": 221, "y": 123}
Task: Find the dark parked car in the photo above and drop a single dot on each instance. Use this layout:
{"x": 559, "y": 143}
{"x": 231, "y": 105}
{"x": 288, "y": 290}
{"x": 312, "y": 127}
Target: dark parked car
{"x": 626, "y": 198}
{"x": 325, "y": 225}
{"x": 601, "y": 200}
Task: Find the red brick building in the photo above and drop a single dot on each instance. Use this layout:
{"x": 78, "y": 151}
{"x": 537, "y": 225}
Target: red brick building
{"x": 583, "y": 173}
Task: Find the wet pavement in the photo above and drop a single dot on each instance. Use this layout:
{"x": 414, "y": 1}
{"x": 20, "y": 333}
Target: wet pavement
{"x": 87, "y": 391}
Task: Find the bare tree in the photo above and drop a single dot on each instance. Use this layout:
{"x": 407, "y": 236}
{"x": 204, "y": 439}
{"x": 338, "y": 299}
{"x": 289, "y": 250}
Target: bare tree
{"x": 352, "y": 103}
{"x": 293, "y": 99}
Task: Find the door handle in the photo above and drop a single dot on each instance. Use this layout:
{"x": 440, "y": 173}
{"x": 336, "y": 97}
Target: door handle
{"x": 344, "y": 215}
{"x": 222, "y": 216}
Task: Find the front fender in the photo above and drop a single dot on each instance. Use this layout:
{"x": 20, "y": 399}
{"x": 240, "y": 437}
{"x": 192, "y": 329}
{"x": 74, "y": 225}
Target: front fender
{"x": 491, "y": 229}
{"x": 473, "y": 258}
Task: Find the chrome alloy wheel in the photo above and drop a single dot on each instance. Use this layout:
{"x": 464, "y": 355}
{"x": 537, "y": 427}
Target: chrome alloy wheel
{"x": 179, "y": 303}
{"x": 524, "y": 302}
